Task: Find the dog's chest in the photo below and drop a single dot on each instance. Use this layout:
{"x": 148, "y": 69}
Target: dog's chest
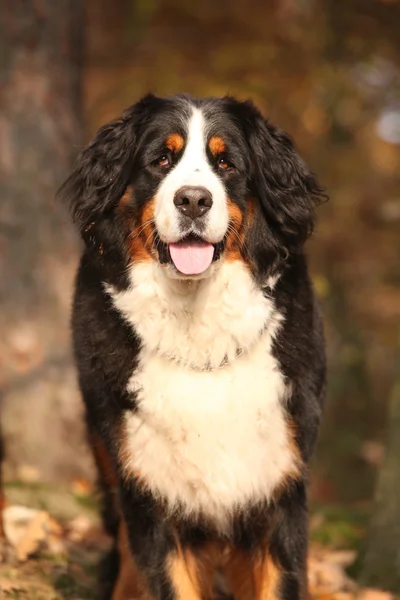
{"x": 210, "y": 441}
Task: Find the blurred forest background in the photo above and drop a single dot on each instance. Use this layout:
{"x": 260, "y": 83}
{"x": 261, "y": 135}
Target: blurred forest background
{"x": 326, "y": 71}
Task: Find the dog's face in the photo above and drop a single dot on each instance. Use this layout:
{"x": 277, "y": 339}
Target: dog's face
{"x": 191, "y": 184}
{"x": 189, "y": 178}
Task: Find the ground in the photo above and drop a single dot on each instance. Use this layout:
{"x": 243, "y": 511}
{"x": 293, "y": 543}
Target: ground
{"x": 59, "y": 541}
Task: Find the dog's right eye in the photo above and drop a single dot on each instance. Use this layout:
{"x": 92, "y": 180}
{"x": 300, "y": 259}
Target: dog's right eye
{"x": 163, "y": 161}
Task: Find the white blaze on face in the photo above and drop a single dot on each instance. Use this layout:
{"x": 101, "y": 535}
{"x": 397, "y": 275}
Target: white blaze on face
{"x": 193, "y": 169}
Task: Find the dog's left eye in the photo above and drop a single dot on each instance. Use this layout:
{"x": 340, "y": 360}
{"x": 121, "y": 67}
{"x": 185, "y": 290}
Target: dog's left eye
{"x": 223, "y": 163}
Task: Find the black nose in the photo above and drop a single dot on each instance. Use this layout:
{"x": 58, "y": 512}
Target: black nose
{"x": 193, "y": 202}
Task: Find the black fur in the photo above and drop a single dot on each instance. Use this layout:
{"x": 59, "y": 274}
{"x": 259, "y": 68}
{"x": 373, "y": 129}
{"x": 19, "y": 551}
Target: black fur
{"x": 286, "y": 190}
{"x": 268, "y": 171}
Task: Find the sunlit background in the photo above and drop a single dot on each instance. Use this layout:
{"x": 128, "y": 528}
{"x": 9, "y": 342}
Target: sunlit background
{"x": 328, "y": 72}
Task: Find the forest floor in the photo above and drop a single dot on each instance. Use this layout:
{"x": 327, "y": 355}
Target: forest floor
{"x": 58, "y": 539}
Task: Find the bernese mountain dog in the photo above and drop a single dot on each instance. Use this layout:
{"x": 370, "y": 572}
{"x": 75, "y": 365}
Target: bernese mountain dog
{"x": 199, "y": 348}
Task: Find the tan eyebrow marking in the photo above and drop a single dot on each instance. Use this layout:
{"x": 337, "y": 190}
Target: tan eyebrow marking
{"x": 175, "y": 142}
{"x": 216, "y": 145}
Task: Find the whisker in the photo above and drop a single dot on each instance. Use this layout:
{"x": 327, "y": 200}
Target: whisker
{"x": 142, "y": 227}
{"x": 147, "y": 239}
{"x": 241, "y": 243}
{"x": 136, "y": 232}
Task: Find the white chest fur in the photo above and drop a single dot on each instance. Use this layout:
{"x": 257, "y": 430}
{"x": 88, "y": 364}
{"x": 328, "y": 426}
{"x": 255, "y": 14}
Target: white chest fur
{"x": 207, "y": 441}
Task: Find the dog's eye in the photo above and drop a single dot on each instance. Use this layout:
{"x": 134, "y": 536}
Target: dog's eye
{"x": 163, "y": 161}
{"x": 223, "y": 163}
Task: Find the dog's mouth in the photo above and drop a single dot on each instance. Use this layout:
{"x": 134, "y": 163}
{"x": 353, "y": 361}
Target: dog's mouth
{"x": 191, "y": 255}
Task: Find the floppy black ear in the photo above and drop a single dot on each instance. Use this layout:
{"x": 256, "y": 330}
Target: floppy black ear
{"x": 101, "y": 173}
{"x": 103, "y": 168}
{"x": 286, "y": 191}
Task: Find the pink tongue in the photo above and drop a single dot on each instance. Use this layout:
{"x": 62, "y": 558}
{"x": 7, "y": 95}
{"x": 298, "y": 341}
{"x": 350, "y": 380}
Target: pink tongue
{"x": 192, "y": 258}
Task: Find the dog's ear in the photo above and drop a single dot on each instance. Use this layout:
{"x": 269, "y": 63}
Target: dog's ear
{"x": 103, "y": 168}
{"x": 285, "y": 190}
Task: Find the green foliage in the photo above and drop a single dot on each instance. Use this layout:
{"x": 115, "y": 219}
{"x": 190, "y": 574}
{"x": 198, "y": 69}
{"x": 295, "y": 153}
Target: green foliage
{"x": 61, "y": 501}
{"x": 68, "y": 588}
{"x": 339, "y": 526}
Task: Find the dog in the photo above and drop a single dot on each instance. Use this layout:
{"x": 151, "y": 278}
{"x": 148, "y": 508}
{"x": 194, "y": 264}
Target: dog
{"x": 199, "y": 347}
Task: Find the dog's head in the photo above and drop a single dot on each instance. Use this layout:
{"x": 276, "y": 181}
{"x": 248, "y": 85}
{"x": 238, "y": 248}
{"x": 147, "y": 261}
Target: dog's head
{"x": 190, "y": 184}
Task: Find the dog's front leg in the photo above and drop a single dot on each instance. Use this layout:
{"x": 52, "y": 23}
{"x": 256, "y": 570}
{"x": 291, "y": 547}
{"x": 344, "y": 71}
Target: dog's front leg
{"x": 280, "y": 572}
{"x": 164, "y": 569}
{"x": 268, "y": 562}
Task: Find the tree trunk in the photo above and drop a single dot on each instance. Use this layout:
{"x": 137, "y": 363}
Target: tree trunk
{"x": 40, "y": 129}
{"x": 382, "y": 560}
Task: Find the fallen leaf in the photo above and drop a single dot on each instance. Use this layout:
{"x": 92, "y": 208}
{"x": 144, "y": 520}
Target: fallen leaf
{"x": 343, "y": 558}
{"x": 29, "y": 531}
{"x": 78, "y": 528}
{"x": 81, "y": 487}
{"x": 16, "y": 519}
{"x": 8, "y": 586}
{"x": 326, "y": 573}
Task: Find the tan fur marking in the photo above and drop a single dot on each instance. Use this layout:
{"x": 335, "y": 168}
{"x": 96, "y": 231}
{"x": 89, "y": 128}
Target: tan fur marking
{"x": 141, "y": 230}
{"x": 103, "y": 460}
{"x": 250, "y": 210}
{"x": 235, "y": 238}
{"x": 216, "y": 145}
{"x": 251, "y": 578}
{"x": 142, "y": 236}
{"x": 182, "y": 570}
{"x": 126, "y": 198}
{"x": 266, "y": 578}
{"x": 292, "y": 429}
{"x": 238, "y": 569}
{"x": 175, "y": 142}
{"x": 208, "y": 558}
{"x": 105, "y": 465}
{"x": 235, "y": 214}
{"x": 129, "y": 583}
{"x": 295, "y": 472}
